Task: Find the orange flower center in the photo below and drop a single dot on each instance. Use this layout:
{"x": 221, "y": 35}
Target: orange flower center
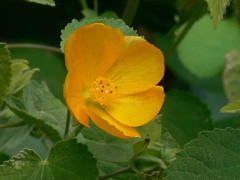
{"x": 102, "y": 90}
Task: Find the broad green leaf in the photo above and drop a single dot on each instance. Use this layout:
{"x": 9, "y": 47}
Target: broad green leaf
{"x": 21, "y": 75}
{"x": 67, "y": 160}
{"x": 40, "y": 107}
{"x": 203, "y": 49}
{"x": 74, "y": 25}
{"x": 231, "y": 76}
{"x": 111, "y": 153}
{"x": 184, "y": 116}
{"x": 43, "y": 2}
{"x": 213, "y": 155}
{"x": 5, "y": 69}
{"x": 51, "y": 65}
{"x": 217, "y": 9}
{"x": 233, "y": 107}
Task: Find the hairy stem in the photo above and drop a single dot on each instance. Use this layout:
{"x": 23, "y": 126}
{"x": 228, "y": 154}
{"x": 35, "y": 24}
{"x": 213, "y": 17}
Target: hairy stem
{"x": 96, "y": 6}
{"x": 35, "y": 46}
{"x": 122, "y": 171}
{"x": 67, "y": 123}
{"x": 21, "y": 123}
{"x": 130, "y": 11}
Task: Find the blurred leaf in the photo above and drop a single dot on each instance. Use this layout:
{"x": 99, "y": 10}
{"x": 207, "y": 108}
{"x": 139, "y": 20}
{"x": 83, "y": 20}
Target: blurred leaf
{"x": 51, "y": 65}
{"x": 184, "y": 116}
{"x": 67, "y": 160}
{"x": 203, "y": 49}
{"x": 232, "y": 107}
{"x": 21, "y": 75}
{"x": 231, "y": 76}
{"x": 5, "y": 69}
{"x": 89, "y": 14}
{"x": 213, "y": 155}
{"x": 109, "y": 14}
{"x": 74, "y": 25}
{"x": 236, "y": 6}
{"x": 217, "y": 9}
{"x": 3, "y": 157}
{"x": 41, "y": 108}
{"x": 43, "y": 2}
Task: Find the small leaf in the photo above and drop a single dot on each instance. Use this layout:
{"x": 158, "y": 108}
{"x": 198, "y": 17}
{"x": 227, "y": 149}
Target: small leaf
{"x": 203, "y": 49}
{"x": 41, "y": 108}
{"x": 184, "y": 116}
{"x": 217, "y": 9}
{"x": 67, "y": 160}
{"x": 231, "y": 76}
{"x": 5, "y": 69}
{"x": 109, "y": 14}
{"x": 232, "y": 107}
{"x": 89, "y": 14}
{"x": 43, "y": 2}
{"x": 21, "y": 75}
{"x": 213, "y": 155}
{"x": 115, "y": 23}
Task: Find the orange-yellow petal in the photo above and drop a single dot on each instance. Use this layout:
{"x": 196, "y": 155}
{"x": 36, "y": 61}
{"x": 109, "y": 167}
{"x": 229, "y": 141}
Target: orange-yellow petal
{"x": 74, "y": 98}
{"x": 136, "y": 109}
{"x": 110, "y": 125}
{"x": 92, "y": 49}
{"x": 139, "y": 67}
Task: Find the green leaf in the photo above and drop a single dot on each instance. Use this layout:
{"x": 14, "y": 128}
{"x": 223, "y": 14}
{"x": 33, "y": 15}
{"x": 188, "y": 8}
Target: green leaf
{"x": 232, "y": 107}
{"x": 203, "y": 49}
{"x": 184, "y": 116}
{"x": 217, "y": 9}
{"x": 115, "y": 23}
{"x": 5, "y": 69}
{"x": 109, "y": 14}
{"x": 111, "y": 153}
{"x": 21, "y": 75}
{"x": 48, "y": 63}
{"x": 89, "y": 14}
{"x": 67, "y": 160}
{"x": 213, "y": 155}
{"x": 43, "y": 2}
{"x": 41, "y": 108}
{"x": 231, "y": 76}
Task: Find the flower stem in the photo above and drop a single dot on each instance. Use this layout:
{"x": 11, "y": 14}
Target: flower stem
{"x": 35, "y": 46}
{"x": 122, "y": 171}
{"x": 84, "y": 4}
{"x": 77, "y": 130}
{"x": 96, "y": 6}
{"x": 21, "y": 123}
{"x": 130, "y": 11}
{"x": 67, "y": 123}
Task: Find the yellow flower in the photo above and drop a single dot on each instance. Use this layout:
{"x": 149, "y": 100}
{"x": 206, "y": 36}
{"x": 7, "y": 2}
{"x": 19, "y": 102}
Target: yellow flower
{"x": 111, "y": 79}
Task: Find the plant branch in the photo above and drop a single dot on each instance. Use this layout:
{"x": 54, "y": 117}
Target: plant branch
{"x": 122, "y": 171}
{"x": 77, "y": 130}
{"x": 21, "y": 123}
{"x": 67, "y": 123}
{"x": 35, "y": 46}
{"x": 130, "y": 11}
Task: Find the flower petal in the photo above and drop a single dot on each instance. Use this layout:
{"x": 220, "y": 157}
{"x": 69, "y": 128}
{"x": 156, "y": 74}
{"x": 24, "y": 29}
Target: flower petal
{"x": 92, "y": 49}
{"x": 74, "y": 99}
{"x": 137, "y": 109}
{"x": 110, "y": 125}
{"x": 139, "y": 67}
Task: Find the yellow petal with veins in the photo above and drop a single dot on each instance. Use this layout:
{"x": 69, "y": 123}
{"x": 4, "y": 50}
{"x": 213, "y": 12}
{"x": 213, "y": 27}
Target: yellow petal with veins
{"x": 136, "y": 109}
{"x": 139, "y": 67}
{"x": 93, "y": 49}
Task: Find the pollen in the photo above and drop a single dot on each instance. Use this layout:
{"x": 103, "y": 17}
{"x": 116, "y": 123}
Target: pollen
{"x": 102, "y": 90}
